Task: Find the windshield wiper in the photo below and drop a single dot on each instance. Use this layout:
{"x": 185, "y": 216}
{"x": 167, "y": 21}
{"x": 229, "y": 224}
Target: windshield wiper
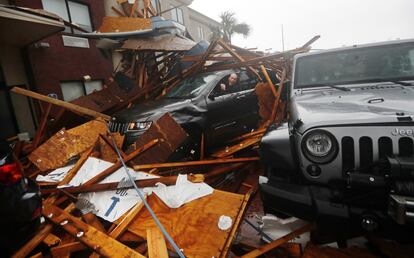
{"x": 335, "y": 87}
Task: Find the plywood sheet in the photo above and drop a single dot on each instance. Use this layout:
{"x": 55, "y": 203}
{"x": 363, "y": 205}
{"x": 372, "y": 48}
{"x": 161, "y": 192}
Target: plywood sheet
{"x": 107, "y": 153}
{"x": 66, "y": 144}
{"x": 170, "y": 134}
{"x": 193, "y": 226}
{"x": 123, "y": 24}
{"x": 164, "y": 43}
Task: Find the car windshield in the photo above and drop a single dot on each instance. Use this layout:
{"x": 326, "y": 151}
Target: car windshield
{"x": 370, "y": 64}
{"x": 192, "y": 86}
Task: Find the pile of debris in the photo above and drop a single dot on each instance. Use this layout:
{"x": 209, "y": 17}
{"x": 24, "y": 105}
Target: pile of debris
{"x": 100, "y": 199}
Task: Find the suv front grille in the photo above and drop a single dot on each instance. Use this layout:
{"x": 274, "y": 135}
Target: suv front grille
{"x": 118, "y": 127}
{"x": 363, "y": 151}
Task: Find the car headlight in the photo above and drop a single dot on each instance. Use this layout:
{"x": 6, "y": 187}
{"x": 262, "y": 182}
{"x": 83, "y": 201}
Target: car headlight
{"x": 139, "y": 126}
{"x": 319, "y": 146}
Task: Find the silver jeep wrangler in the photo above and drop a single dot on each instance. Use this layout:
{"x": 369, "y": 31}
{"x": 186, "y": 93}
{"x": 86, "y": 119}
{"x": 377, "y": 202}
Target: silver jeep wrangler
{"x": 346, "y": 151}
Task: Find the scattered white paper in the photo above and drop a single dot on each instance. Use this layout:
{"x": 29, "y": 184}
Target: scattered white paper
{"x": 224, "y": 222}
{"x": 182, "y": 192}
{"x": 56, "y": 175}
{"x": 109, "y": 205}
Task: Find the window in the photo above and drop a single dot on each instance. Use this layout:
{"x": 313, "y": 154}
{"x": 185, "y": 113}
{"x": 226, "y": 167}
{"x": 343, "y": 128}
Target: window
{"x": 200, "y": 32}
{"x": 177, "y": 14}
{"x": 75, "y": 89}
{"x": 70, "y": 11}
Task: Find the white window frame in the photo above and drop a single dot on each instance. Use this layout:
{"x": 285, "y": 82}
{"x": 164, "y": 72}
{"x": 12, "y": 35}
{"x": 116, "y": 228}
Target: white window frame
{"x": 84, "y": 89}
{"x": 88, "y": 27}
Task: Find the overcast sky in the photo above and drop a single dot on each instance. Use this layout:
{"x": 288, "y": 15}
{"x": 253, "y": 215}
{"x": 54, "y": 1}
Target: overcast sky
{"x": 339, "y": 22}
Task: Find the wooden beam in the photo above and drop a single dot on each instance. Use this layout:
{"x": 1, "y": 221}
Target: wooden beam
{"x": 118, "y": 164}
{"x": 67, "y": 105}
{"x": 195, "y": 163}
{"x": 42, "y": 233}
{"x": 38, "y": 136}
{"x": 72, "y": 172}
{"x": 96, "y": 240}
{"x": 170, "y": 180}
{"x": 156, "y": 243}
{"x": 269, "y": 81}
{"x": 238, "y": 57}
{"x": 66, "y": 249}
{"x": 272, "y": 245}
{"x": 279, "y": 92}
{"x": 123, "y": 225}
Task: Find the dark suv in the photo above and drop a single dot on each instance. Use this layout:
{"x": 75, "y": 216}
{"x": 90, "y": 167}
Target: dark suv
{"x": 199, "y": 105}
{"x": 20, "y": 202}
{"x": 346, "y": 151}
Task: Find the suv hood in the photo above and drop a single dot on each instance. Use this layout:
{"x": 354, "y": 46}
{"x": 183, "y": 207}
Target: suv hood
{"x": 361, "y": 105}
{"x": 182, "y": 110}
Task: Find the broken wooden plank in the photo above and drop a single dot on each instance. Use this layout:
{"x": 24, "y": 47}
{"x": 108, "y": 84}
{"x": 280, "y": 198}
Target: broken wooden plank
{"x": 67, "y": 105}
{"x": 195, "y": 163}
{"x": 40, "y": 130}
{"x": 170, "y": 180}
{"x": 126, "y": 221}
{"x": 106, "y": 148}
{"x": 67, "y": 144}
{"x": 156, "y": 243}
{"x": 72, "y": 172}
{"x": 266, "y": 248}
{"x": 96, "y": 240}
{"x": 236, "y": 225}
{"x": 170, "y": 134}
{"x": 39, "y": 236}
{"x": 124, "y": 24}
{"x": 52, "y": 240}
{"x": 66, "y": 249}
{"x": 199, "y": 236}
{"x": 118, "y": 164}
{"x": 227, "y": 151}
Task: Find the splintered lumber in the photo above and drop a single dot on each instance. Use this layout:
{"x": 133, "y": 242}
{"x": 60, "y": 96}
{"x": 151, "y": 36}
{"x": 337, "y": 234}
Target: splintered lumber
{"x": 238, "y": 57}
{"x": 72, "y": 172}
{"x": 118, "y": 164}
{"x": 194, "y": 163}
{"x": 266, "y": 100}
{"x": 156, "y": 243}
{"x": 126, "y": 221}
{"x": 170, "y": 180}
{"x": 36, "y": 240}
{"x": 96, "y": 240}
{"x": 272, "y": 245}
{"x": 52, "y": 240}
{"x": 193, "y": 226}
{"x": 39, "y": 133}
{"x": 67, "y": 144}
{"x": 170, "y": 134}
{"x": 40, "y": 235}
{"x": 64, "y": 250}
{"x": 123, "y": 24}
{"x": 229, "y": 242}
{"x": 227, "y": 151}
{"x": 61, "y": 103}
{"x": 106, "y": 148}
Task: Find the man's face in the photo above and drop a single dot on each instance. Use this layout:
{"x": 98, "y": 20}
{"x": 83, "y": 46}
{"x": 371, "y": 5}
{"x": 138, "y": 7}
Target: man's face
{"x": 232, "y": 79}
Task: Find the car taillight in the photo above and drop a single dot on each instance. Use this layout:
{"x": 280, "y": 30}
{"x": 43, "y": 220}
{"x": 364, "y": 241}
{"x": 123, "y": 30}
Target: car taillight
{"x": 10, "y": 174}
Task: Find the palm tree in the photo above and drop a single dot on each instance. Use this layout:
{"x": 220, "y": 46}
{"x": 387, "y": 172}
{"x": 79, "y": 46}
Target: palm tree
{"x": 228, "y": 26}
